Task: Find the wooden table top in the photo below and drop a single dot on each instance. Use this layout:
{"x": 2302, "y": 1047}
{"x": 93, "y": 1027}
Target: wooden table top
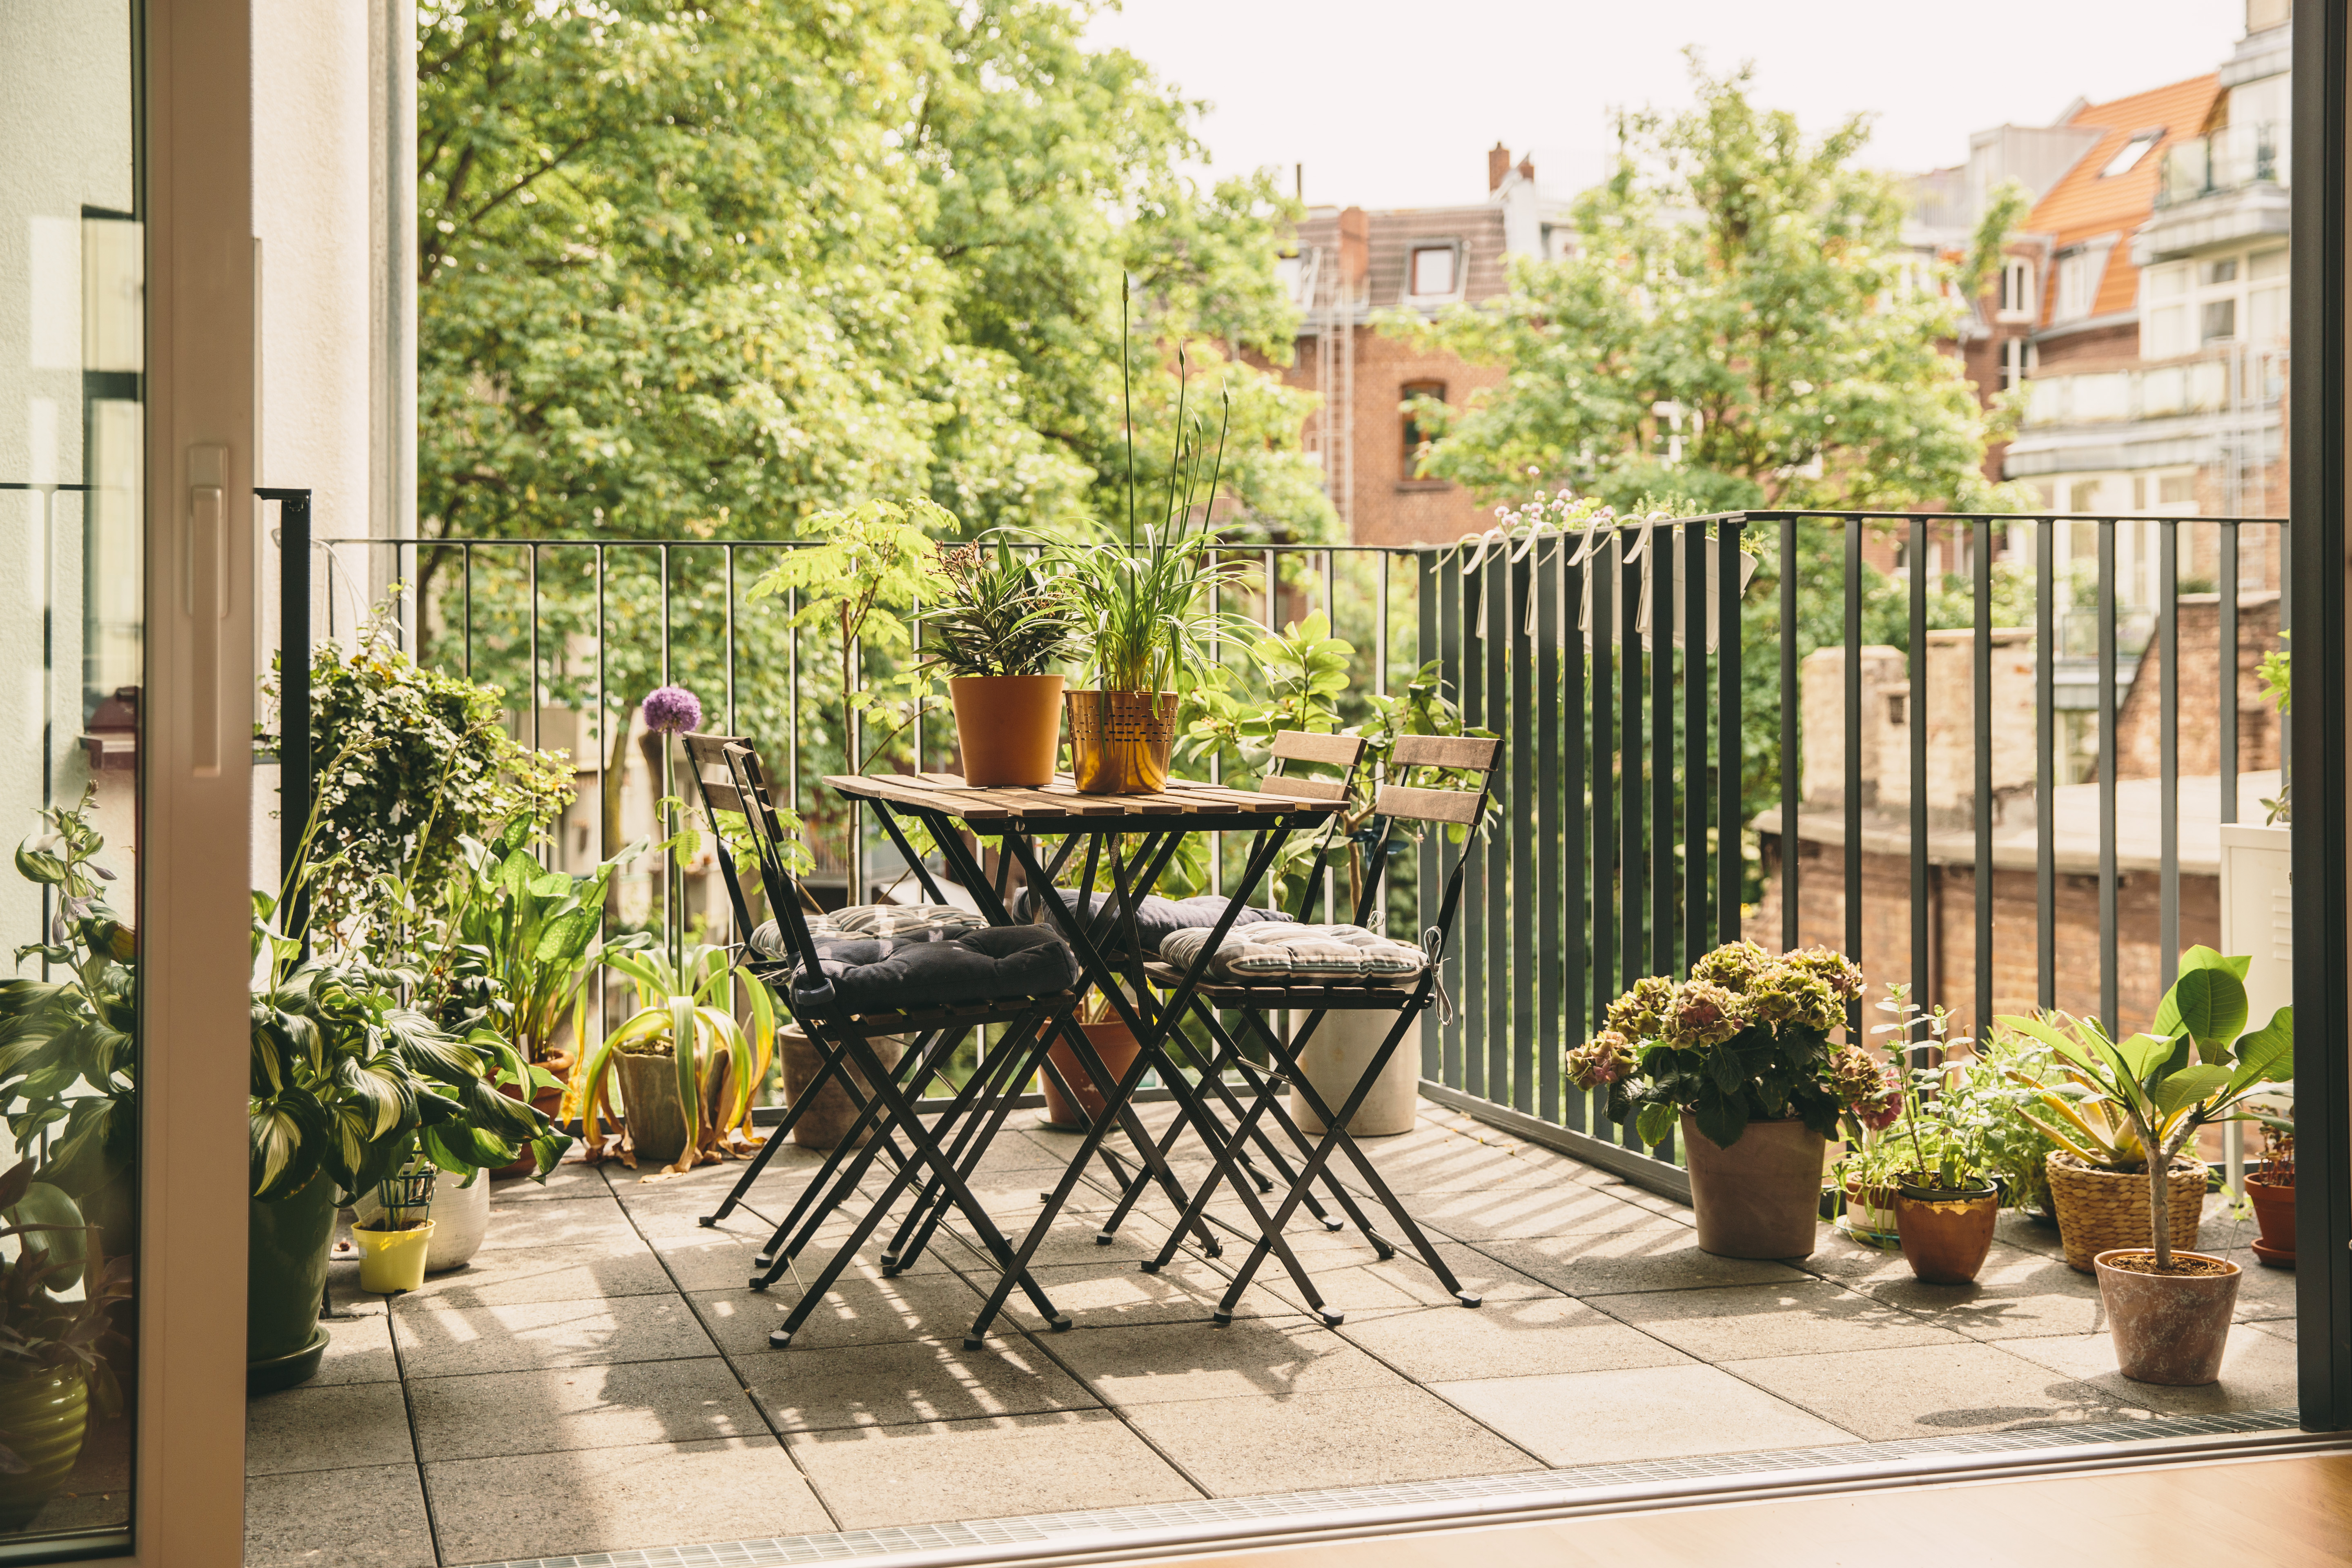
{"x": 1060, "y": 801}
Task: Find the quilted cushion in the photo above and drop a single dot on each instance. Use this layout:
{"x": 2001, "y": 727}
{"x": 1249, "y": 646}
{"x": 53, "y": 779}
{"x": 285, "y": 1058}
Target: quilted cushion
{"x": 1301, "y": 952}
{"x": 1156, "y": 918}
{"x": 892, "y": 974}
{"x": 905, "y": 923}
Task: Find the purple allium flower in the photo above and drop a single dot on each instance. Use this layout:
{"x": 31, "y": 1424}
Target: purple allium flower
{"x": 673, "y": 710}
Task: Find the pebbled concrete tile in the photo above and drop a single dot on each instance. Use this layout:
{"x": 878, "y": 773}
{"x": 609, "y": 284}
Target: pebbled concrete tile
{"x": 569, "y": 1179}
{"x": 1152, "y": 1363}
{"x": 1927, "y": 1391}
{"x": 1647, "y": 1413}
{"x": 1741, "y": 1323}
{"x": 617, "y": 1499}
{"x": 1658, "y": 1256}
{"x": 329, "y": 1428}
{"x": 875, "y": 1476}
{"x": 1564, "y": 1210}
{"x": 909, "y": 1382}
{"x": 1256, "y": 1443}
{"x": 563, "y": 1408}
{"x": 372, "y": 1517}
{"x": 438, "y": 1341}
{"x": 359, "y": 1346}
{"x": 1404, "y": 1282}
{"x": 515, "y": 1275}
{"x": 862, "y": 1309}
{"x": 2258, "y": 1373}
{"x": 1515, "y": 1339}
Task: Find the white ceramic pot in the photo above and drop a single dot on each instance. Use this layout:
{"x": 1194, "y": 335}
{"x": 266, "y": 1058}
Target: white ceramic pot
{"x": 460, "y": 1215}
{"x": 1337, "y": 1054}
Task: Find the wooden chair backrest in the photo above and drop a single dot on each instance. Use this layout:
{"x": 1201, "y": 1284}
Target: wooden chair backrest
{"x": 1456, "y": 753}
{"x": 1341, "y": 752}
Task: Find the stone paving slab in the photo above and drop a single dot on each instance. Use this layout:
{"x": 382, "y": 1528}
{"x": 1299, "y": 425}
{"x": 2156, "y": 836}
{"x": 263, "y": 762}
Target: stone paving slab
{"x": 1927, "y": 1390}
{"x": 911, "y": 1383}
{"x": 560, "y": 1409}
{"x": 872, "y": 1475}
{"x": 372, "y": 1517}
{"x": 1647, "y": 1413}
{"x": 438, "y": 1341}
{"x": 1336, "y": 1437}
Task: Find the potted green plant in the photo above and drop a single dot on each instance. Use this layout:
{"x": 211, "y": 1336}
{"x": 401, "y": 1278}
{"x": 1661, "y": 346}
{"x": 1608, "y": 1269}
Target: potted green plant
{"x": 1740, "y": 1054}
{"x": 998, "y": 627}
{"x": 686, "y": 1069}
{"x": 2003, "y": 1079}
{"x": 55, "y": 1349}
{"x": 1946, "y": 1200}
{"x": 2270, "y": 1190}
{"x": 2169, "y": 1309}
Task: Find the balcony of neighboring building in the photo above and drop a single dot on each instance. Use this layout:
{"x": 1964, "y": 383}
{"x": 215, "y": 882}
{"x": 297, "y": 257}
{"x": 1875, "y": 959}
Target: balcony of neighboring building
{"x": 2227, "y": 186}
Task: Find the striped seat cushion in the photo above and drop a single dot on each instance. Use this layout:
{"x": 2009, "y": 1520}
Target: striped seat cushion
{"x": 1280, "y": 953}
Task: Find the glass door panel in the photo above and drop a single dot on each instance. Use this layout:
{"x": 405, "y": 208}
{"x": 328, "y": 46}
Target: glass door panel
{"x": 72, "y": 619}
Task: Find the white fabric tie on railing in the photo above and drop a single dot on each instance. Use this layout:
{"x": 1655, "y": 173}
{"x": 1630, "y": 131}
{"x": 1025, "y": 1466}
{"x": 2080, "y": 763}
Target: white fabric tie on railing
{"x": 1433, "y": 942}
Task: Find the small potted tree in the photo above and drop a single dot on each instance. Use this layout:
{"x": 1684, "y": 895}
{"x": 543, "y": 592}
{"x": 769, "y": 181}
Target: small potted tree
{"x": 2167, "y": 1308}
{"x": 996, "y": 633}
{"x": 1740, "y": 1054}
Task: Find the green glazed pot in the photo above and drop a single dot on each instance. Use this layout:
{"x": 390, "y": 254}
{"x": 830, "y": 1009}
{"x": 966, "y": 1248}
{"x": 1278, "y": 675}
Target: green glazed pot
{"x": 44, "y": 1419}
{"x": 285, "y": 1277}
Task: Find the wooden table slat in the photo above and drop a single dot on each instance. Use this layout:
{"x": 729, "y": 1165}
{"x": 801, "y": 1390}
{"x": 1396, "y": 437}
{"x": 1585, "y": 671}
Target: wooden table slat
{"x": 1061, "y": 799}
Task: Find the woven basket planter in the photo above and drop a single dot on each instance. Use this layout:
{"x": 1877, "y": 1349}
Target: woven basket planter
{"x": 2099, "y": 1210}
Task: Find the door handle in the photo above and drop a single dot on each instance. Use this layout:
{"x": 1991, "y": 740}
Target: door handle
{"x": 203, "y": 599}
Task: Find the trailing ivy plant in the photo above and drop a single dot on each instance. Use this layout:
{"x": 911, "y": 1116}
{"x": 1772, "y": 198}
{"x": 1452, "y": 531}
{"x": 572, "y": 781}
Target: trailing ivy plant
{"x": 421, "y": 763}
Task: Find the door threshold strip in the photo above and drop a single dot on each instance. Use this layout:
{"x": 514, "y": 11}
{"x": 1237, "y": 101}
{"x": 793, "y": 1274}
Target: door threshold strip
{"x": 1209, "y": 1523}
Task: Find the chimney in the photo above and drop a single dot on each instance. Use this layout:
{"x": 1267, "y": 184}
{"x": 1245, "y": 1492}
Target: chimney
{"x": 1498, "y": 163}
{"x": 1355, "y": 252}
{"x": 1528, "y": 170}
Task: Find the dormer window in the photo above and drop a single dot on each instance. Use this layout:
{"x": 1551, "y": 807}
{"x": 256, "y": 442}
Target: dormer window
{"x": 1434, "y": 272}
{"x": 2128, "y": 155}
{"x": 2019, "y": 295}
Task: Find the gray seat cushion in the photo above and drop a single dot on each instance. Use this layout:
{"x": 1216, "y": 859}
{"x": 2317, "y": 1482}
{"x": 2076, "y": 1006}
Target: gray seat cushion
{"x": 1273, "y": 955}
{"x": 905, "y": 923}
{"x": 889, "y": 975}
{"x": 1158, "y": 918}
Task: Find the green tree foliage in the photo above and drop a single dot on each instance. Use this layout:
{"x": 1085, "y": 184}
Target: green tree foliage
{"x": 1751, "y": 279}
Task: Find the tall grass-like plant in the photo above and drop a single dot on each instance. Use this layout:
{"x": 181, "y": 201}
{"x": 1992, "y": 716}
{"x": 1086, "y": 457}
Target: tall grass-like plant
{"x": 685, "y": 1011}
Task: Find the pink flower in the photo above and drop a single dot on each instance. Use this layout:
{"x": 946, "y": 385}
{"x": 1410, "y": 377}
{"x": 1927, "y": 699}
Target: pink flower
{"x": 1607, "y": 1058}
{"x": 670, "y": 710}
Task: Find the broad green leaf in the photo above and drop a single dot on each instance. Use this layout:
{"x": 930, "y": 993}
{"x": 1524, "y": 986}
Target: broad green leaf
{"x": 2188, "y": 1086}
{"x": 2208, "y": 1003}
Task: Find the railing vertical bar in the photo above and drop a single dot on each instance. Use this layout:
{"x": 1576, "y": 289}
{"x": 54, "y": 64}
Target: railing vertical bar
{"x": 1852, "y": 784}
{"x": 1791, "y": 740}
{"x": 1981, "y": 786}
{"x": 2109, "y": 1009}
{"x": 1923, "y": 977}
{"x": 1632, "y": 917}
{"x": 1599, "y": 573}
{"x": 1659, "y": 567}
{"x": 534, "y": 648}
{"x": 1216, "y": 759}
{"x": 603, "y": 724}
{"x": 1429, "y": 644}
{"x": 1574, "y": 767}
{"x": 2168, "y": 767}
{"x": 2226, "y": 642}
{"x": 1550, "y": 1000}
{"x": 730, "y": 639}
{"x": 1454, "y": 672}
{"x": 793, "y": 697}
{"x": 467, "y": 558}
{"x": 1519, "y": 769}
{"x": 1731, "y": 860}
{"x": 1694, "y": 770}
{"x": 2046, "y": 763}
{"x": 1486, "y": 602}
{"x": 1381, "y": 564}
{"x": 663, "y": 555}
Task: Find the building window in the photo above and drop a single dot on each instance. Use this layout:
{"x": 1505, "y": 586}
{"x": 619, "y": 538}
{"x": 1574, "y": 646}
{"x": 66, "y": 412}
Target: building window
{"x": 2017, "y": 292}
{"x": 2218, "y": 322}
{"x": 1434, "y": 268}
{"x": 2078, "y": 284}
{"x": 1414, "y": 437}
{"x": 2128, "y": 155}
{"x": 2017, "y": 362}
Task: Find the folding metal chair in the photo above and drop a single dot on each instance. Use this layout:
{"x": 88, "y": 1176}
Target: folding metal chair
{"x": 1431, "y": 802}
{"x": 728, "y": 772}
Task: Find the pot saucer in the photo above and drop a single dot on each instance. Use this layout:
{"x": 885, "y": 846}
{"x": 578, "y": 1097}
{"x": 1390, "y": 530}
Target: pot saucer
{"x": 2276, "y": 1257}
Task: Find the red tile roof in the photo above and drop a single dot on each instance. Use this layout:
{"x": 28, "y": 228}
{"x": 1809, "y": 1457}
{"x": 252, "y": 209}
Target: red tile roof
{"x": 2083, "y": 205}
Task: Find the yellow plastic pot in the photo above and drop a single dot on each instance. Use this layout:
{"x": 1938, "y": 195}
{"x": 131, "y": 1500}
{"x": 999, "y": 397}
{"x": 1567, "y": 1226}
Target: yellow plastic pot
{"x": 391, "y": 1260}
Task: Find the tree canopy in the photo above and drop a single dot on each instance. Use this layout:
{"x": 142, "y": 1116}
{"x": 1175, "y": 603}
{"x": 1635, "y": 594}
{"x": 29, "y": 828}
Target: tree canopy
{"x": 1740, "y": 324}
{"x": 701, "y": 272}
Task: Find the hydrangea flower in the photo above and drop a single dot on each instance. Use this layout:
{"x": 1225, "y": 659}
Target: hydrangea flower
{"x": 1839, "y": 972}
{"x": 1785, "y": 993}
{"x": 1607, "y": 1058}
{"x": 1642, "y": 1013}
{"x": 1732, "y": 966}
{"x": 1705, "y": 1014}
{"x": 1868, "y": 1089}
{"x": 672, "y": 709}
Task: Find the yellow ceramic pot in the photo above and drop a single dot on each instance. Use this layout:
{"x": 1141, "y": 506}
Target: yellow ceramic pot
{"x": 391, "y": 1260}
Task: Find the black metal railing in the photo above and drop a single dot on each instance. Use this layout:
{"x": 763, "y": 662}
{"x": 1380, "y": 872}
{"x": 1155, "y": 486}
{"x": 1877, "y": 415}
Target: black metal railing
{"x": 1653, "y": 724}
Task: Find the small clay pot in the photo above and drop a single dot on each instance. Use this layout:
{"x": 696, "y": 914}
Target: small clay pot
{"x": 650, "y": 1108}
{"x": 2274, "y": 1212}
{"x": 1945, "y": 1231}
{"x": 1008, "y": 727}
{"x": 2168, "y": 1329}
{"x": 1115, "y": 1043}
{"x": 830, "y": 1116}
{"x": 1760, "y": 1197}
{"x": 1869, "y": 1211}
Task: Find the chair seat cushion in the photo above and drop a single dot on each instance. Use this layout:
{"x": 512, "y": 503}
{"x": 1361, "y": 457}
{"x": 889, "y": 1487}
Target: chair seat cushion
{"x": 1156, "y": 918}
{"x": 905, "y": 923}
{"x": 893, "y": 974}
{"x": 1300, "y": 953}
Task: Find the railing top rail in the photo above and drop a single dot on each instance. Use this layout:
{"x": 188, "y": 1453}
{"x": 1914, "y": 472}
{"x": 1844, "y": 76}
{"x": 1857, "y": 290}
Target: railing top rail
{"x": 1867, "y": 514}
{"x": 577, "y": 541}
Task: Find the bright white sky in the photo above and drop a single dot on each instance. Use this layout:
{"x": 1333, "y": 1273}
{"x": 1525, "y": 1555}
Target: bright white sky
{"x": 1393, "y": 103}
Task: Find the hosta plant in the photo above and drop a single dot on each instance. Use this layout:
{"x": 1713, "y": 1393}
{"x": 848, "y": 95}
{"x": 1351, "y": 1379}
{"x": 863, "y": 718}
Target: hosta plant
{"x": 45, "y": 1327}
{"x": 685, "y": 1015}
{"x": 1746, "y": 1038}
{"x": 2133, "y": 1104}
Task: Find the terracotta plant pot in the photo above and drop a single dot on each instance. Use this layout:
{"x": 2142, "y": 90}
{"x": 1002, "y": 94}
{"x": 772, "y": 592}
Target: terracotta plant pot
{"x": 1945, "y": 1231}
{"x": 46, "y": 1417}
{"x": 1119, "y": 741}
{"x": 2274, "y": 1212}
{"x": 2168, "y": 1328}
{"x": 2101, "y": 1210}
{"x": 1760, "y": 1197}
{"x": 1116, "y": 1045}
{"x": 1008, "y": 727}
{"x": 650, "y": 1109}
{"x": 826, "y": 1121}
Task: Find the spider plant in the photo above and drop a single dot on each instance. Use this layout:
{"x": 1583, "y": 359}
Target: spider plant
{"x": 1001, "y": 615}
{"x": 685, "y": 1012}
